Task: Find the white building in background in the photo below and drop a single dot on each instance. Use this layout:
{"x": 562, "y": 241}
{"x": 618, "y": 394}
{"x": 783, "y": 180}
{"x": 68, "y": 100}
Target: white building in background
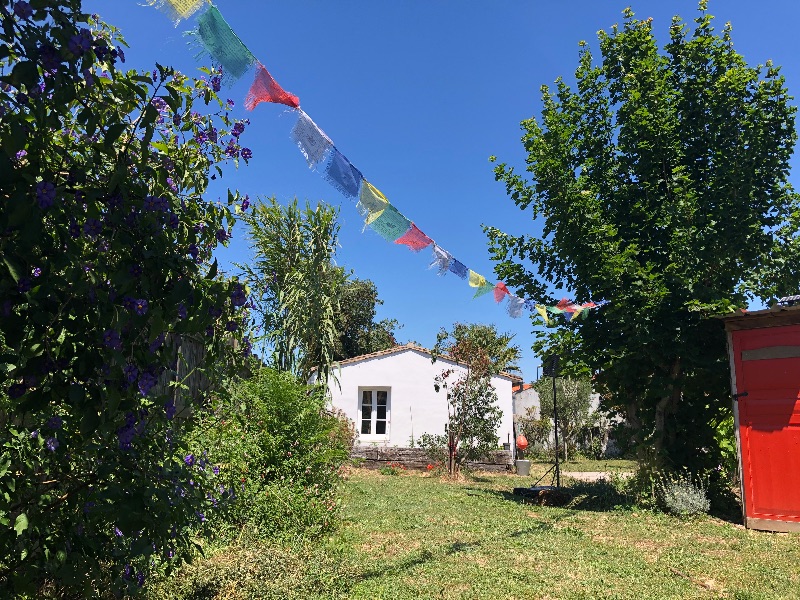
{"x": 391, "y": 398}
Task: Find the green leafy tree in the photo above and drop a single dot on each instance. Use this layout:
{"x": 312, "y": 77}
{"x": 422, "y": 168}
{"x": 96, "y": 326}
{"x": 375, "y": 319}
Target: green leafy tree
{"x": 473, "y": 414}
{"x": 296, "y": 284}
{"x": 659, "y": 183}
{"x": 574, "y": 401}
{"x": 105, "y": 288}
{"x": 358, "y": 332}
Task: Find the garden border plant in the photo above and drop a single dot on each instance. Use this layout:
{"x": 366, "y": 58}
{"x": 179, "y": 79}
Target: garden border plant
{"x": 106, "y": 283}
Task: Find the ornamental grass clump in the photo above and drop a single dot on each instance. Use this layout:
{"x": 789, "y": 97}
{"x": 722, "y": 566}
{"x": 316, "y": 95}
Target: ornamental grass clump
{"x": 682, "y": 495}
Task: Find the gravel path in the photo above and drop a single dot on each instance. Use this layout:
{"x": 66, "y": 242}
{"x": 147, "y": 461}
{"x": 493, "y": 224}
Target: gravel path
{"x": 591, "y": 475}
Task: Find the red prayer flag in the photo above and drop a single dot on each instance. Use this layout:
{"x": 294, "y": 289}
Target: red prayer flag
{"x": 414, "y": 239}
{"x": 266, "y": 89}
{"x": 500, "y": 291}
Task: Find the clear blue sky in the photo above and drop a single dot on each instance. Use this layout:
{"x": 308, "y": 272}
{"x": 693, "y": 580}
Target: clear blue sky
{"x": 418, "y": 94}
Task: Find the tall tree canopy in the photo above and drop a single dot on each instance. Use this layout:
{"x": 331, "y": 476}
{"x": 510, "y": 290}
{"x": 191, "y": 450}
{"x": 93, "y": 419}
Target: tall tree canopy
{"x": 659, "y": 182}
{"x": 359, "y": 333}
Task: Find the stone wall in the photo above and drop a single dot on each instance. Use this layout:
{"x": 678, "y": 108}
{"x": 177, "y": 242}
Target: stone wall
{"x": 376, "y": 457}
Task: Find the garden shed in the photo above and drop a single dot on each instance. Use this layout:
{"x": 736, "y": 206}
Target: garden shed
{"x": 764, "y": 351}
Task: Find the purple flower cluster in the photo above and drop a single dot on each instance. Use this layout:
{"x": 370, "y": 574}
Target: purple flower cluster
{"x": 247, "y": 154}
{"x": 54, "y": 423}
{"x": 222, "y": 235}
{"x": 156, "y": 204}
{"x": 52, "y": 444}
{"x": 146, "y": 383}
{"x": 238, "y": 297}
{"x": 23, "y": 10}
{"x": 182, "y": 311}
{"x": 246, "y": 203}
{"x": 111, "y": 339}
{"x": 131, "y": 373}
{"x": 81, "y": 42}
{"x": 134, "y": 426}
{"x": 93, "y": 227}
{"x": 45, "y": 194}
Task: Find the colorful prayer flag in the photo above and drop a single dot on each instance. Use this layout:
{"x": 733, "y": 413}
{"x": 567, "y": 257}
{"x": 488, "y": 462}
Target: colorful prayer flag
{"x": 390, "y": 224}
{"x": 266, "y": 89}
{"x": 223, "y": 45}
{"x": 500, "y": 291}
{"x": 515, "y": 306}
{"x": 342, "y": 175}
{"x": 414, "y": 239}
{"x": 371, "y": 200}
{"x": 177, "y": 9}
{"x": 476, "y": 280}
{"x": 483, "y": 290}
{"x": 441, "y": 260}
{"x": 458, "y": 268}
{"x": 542, "y": 310}
{"x": 311, "y": 140}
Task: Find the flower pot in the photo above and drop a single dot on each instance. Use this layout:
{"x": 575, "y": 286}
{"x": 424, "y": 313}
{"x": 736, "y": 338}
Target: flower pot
{"x": 524, "y": 468}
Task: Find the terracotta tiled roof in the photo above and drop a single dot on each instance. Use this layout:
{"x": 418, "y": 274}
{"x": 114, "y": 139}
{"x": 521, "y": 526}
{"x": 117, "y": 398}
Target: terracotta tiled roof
{"x": 411, "y": 346}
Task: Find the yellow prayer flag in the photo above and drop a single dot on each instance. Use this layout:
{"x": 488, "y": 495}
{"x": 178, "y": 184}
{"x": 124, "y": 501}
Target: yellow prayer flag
{"x": 371, "y": 200}
{"x": 178, "y": 9}
{"x": 542, "y": 310}
{"x": 476, "y": 280}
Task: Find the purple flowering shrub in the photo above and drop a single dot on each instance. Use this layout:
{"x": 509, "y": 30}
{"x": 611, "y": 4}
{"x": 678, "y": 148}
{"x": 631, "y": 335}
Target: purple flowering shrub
{"x": 114, "y": 324}
{"x": 282, "y": 452}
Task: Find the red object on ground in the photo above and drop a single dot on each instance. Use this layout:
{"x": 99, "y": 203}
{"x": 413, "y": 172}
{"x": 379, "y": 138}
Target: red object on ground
{"x": 522, "y": 442}
{"x": 765, "y": 352}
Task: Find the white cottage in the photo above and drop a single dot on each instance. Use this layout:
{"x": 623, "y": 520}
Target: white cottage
{"x": 391, "y": 398}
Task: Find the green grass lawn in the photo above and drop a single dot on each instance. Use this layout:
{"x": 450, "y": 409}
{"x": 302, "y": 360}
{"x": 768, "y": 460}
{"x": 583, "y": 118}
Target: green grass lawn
{"x": 416, "y": 536}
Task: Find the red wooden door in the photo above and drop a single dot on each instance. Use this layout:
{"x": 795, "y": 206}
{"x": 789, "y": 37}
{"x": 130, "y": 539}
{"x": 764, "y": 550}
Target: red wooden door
{"x": 767, "y": 362}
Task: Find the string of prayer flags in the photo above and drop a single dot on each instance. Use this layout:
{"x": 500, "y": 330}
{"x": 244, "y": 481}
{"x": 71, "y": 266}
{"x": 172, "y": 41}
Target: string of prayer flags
{"x": 458, "y": 268}
{"x": 500, "y": 291}
{"x": 177, "y": 9}
{"x": 389, "y": 223}
{"x": 414, "y": 239}
{"x": 311, "y": 140}
{"x": 342, "y": 175}
{"x": 441, "y": 260}
{"x": 515, "y": 306}
{"x": 266, "y": 89}
{"x": 227, "y": 51}
{"x": 223, "y": 45}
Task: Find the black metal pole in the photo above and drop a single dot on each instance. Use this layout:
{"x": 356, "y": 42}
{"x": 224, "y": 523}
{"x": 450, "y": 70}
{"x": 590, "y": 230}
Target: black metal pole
{"x": 555, "y": 419}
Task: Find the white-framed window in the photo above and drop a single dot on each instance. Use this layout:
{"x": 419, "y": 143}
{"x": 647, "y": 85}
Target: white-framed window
{"x": 373, "y": 412}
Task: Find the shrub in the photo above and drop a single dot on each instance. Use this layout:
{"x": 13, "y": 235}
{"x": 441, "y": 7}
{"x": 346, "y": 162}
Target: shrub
{"x": 682, "y": 495}
{"x": 392, "y": 468}
{"x": 281, "y": 451}
{"x": 106, "y": 244}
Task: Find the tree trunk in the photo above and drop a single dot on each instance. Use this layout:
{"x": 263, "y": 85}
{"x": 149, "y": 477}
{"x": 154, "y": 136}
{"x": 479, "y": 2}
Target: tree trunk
{"x": 665, "y": 407}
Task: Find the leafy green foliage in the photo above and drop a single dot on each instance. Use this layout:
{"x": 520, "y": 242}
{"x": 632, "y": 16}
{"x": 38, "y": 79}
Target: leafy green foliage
{"x": 106, "y": 292}
{"x": 355, "y": 321}
{"x": 659, "y": 183}
{"x": 281, "y": 452}
{"x": 473, "y": 414}
{"x": 296, "y": 284}
{"x": 574, "y": 401}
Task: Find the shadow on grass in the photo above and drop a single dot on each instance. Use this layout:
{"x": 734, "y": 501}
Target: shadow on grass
{"x": 597, "y": 496}
{"x": 402, "y": 565}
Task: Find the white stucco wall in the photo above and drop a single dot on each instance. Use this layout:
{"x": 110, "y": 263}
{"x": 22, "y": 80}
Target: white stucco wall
{"x": 414, "y": 406}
